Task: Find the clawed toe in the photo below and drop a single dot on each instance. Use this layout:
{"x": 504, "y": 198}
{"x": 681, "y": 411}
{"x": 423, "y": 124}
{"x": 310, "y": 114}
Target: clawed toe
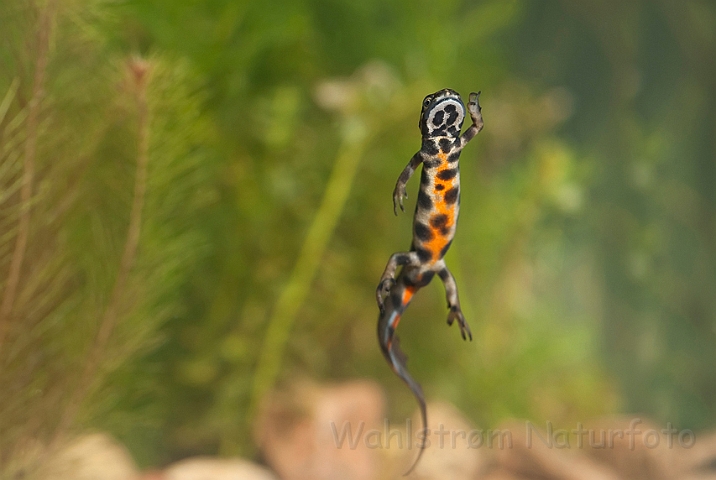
{"x": 456, "y": 314}
{"x": 466, "y": 333}
{"x": 474, "y": 105}
{"x": 398, "y": 197}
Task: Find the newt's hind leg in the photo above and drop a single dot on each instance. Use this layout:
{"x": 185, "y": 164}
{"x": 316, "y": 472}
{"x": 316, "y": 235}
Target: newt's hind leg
{"x": 454, "y": 303}
{"x": 388, "y": 279}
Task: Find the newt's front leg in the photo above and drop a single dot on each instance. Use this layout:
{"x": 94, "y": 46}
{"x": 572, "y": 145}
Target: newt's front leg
{"x": 399, "y": 193}
{"x": 475, "y": 111}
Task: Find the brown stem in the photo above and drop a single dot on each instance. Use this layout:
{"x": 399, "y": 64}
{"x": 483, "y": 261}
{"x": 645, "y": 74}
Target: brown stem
{"x": 139, "y": 71}
{"x": 13, "y": 278}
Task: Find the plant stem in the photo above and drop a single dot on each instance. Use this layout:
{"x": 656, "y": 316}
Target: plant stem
{"x": 44, "y": 32}
{"x": 139, "y": 70}
{"x": 314, "y": 245}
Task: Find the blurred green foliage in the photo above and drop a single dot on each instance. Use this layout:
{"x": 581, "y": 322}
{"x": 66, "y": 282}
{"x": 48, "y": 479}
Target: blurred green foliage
{"x": 586, "y": 252}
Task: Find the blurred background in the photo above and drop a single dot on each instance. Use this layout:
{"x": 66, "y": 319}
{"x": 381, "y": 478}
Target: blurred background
{"x": 195, "y": 210}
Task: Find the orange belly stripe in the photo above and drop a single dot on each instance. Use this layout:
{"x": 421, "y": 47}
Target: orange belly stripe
{"x": 441, "y": 207}
{"x": 407, "y": 295}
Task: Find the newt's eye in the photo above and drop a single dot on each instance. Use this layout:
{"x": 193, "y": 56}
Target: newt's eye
{"x": 426, "y": 102}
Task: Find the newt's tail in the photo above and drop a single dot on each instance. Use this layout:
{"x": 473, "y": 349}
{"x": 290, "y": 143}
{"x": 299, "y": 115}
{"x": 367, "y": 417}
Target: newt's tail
{"x": 395, "y": 305}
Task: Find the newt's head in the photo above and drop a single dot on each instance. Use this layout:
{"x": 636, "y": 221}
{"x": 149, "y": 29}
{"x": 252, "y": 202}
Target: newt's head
{"x": 442, "y": 115}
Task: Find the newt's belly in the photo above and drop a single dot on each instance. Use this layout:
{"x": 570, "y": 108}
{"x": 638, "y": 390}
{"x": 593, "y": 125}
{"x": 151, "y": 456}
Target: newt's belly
{"x": 435, "y": 220}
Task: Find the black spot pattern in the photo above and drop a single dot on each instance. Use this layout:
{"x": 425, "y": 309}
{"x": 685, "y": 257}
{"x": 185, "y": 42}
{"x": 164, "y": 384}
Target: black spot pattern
{"x": 424, "y": 279}
{"x": 439, "y": 132}
{"x": 439, "y": 187}
{"x": 403, "y": 259}
{"x": 445, "y": 145}
{"x": 424, "y": 200}
{"x": 453, "y": 157}
{"x": 431, "y": 163}
{"x": 438, "y": 118}
{"x": 452, "y": 195}
{"x": 424, "y": 177}
{"x": 439, "y": 220}
{"x": 396, "y": 297}
{"x": 424, "y": 255}
{"x": 422, "y": 232}
{"x": 430, "y": 147}
{"x": 452, "y": 114}
{"x": 447, "y": 174}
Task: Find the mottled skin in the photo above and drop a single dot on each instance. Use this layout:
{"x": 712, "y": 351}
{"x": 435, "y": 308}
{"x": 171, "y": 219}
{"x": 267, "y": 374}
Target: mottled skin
{"x": 434, "y": 224}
